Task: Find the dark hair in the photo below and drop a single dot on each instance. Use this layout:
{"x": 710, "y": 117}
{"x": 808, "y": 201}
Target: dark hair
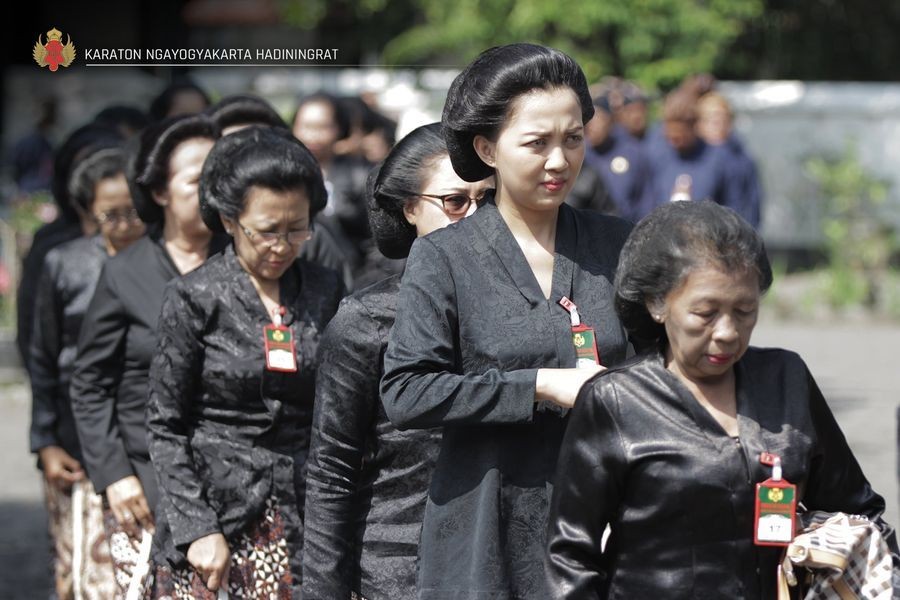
{"x": 162, "y": 104}
{"x": 79, "y": 143}
{"x": 244, "y": 109}
{"x": 256, "y": 156}
{"x": 341, "y": 118}
{"x": 149, "y": 155}
{"x": 480, "y": 97}
{"x": 668, "y": 244}
{"x": 100, "y": 164}
{"x": 120, "y": 115}
{"x": 389, "y": 186}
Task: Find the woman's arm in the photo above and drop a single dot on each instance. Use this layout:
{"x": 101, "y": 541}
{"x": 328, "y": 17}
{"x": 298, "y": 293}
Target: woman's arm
{"x": 423, "y": 384}
{"x": 588, "y": 490}
{"x": 345, "y": 413}
{"x": 95, "y": 382}
{"x": 45, "y": 347}
{"x": 174, "y": 374}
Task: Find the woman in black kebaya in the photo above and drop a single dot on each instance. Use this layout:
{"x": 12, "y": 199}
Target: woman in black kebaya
{"x": 367, "y": 482}
{"x": 233, "y": 379}
{"x": 483, "y": 344}
{"x": 667, "y": 449}
{"x": 118, "y": 335}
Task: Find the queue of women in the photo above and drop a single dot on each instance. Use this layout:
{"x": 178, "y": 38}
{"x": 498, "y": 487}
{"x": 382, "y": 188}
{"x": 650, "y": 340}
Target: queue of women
{"x": 548, "y": 403}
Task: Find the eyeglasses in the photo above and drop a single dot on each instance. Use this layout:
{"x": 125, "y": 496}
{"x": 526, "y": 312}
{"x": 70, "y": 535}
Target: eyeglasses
{"x": 453, "y": 205}
{"x": 267, "y": 239}
{"x": 114, "y": 217}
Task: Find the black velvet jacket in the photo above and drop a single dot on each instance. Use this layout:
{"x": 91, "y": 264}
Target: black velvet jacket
{"x": 643, "y": 456}
{"x": 66, "y": 286}
{"x": 473, "y": 327}
{"x": 225, "y": 433}
{"x": 115, "y": 346}
{"x": 367, "y": 482}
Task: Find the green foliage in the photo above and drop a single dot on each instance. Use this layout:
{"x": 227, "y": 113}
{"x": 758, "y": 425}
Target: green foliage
{"x": 655, "y": 42}
{"x": 858, "y": 242}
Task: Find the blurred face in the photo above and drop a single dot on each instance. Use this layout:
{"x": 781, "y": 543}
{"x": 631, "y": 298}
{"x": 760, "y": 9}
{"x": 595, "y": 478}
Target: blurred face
{"x": 680, "y": 134}
{"x": 187, "y": 102}
{"x": 317, "y": 128}
{"x": 113, "y": 210}
{"x": 538, "y": 152}
{"x": 709, "y": 320}
{"x": 180, "y": 201}
{"x": 598, "y": 128}
{"x": 427, "y": 213}
{"x": 633, "y": 117}
{"x": 270, "y": 231}
{"x": 714, "y": 125}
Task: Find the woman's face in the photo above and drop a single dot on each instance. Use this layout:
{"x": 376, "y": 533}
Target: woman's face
{"x": 181, "y": 201}
{"x": 709, "y": 319}
{"x": 538, "y": 151}
{"x": 426, "y": 213}
{"x": 316, "y": 126}
{"x": 268, "y": 212}
{"x": 714, "y": 125}
{"x": 113, "y": 210}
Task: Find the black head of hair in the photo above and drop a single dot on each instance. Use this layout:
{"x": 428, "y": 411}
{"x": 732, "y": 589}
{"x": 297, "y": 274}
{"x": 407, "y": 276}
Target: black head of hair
{"x": 244, "y": 109}
{"x": 389, "y": 186}
{"x": 341, "y": 118}
{"x": 266, "y": 157}
{"x": 122, "y": 117}
{"x": 668, "y": 244}
{"x": 149, "y": 155}
{"x": 480, "y": 97}
{"x": 162, "y": 104}
{"x": 75, "y": 148}
{"x": 100, "y": 164}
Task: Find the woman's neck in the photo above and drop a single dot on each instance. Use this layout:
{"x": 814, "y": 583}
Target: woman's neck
{"x": 187, "y": 251}
{"x": 529, "y": 226}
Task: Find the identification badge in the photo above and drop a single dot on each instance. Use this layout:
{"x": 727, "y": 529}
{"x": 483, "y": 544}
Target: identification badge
{"x": 583, "y": 337}
{"x": 776, "y": 507}
{"x": 279, "y": 345}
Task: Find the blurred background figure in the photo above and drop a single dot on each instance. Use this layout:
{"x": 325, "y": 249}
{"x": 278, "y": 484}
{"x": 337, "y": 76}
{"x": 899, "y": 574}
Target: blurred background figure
{"x": 685, "y": 167}
{"x": 715, "y": 122}
{"x": 182, "y": 97}
{"x": 617, "y": 157}
{"x": 71, "y": 222}
{"x": 68, "y": 278}
{"x": 31, "y": 157}
{"x": 320, "y": 123}
{"x": 631, "y": 109}
{"x": 127, "y": 120}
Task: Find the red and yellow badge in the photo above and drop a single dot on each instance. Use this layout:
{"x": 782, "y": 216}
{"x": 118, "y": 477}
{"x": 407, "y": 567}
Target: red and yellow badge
{"x": 54, "y": 53}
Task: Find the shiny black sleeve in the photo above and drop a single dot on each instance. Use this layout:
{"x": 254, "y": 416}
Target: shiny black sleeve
{"x": 589, "y": 483}
{"x": 423, "y": 384}
{"x": 174, "y": 381}
{"x": 344, "y": 418}
{"x": 95, "y": 381}
{"x": 45, "y": 347}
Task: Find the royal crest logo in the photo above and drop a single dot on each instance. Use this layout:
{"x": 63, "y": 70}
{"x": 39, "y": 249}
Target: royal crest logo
{"x": 54, "y": 54}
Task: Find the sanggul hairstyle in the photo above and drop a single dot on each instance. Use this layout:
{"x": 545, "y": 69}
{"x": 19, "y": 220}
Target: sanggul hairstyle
{"x": 668, "y": 244}
{"x": 244, "y": 109}
{"x": 149, "y": 155}
{"x": 389, "y": 186}
{"x": 100, "y": 164}
{"x": 266, "y": 157}
{"x": 479, "y": 98}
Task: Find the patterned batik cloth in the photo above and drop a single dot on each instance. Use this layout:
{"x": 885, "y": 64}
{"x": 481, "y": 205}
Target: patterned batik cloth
{"x": 259, "y": 568}
{"x": 82, "y": 564}
{"x": 129, "y": 557}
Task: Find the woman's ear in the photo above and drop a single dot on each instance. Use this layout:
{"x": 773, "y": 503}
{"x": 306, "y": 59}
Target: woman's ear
{"x": 161, "y": 198}
{"x": 485, "y": 149}
{"x": 228, "y": 224}
{"x": 657, "y": 310}
{"x": 409, "y": 212}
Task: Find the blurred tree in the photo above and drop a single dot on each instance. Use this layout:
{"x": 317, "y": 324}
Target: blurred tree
{"x": 655, "y": 42}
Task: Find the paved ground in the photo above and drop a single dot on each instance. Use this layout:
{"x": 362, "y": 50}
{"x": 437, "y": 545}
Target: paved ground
{"x": 855, "y": 365}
